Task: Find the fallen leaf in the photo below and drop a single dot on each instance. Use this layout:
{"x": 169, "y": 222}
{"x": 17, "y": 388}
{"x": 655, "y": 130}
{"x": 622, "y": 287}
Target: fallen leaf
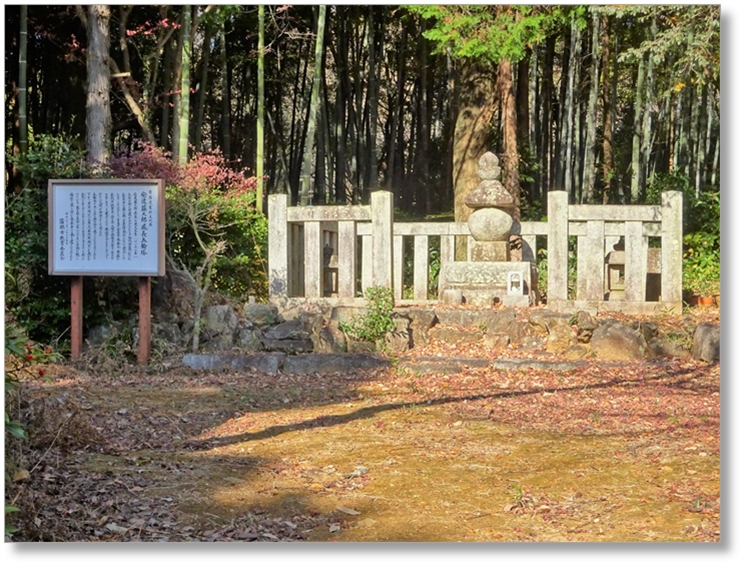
{"x": 335, "y": 527}
{"x": 21, "y": 475}
{"x": 348, "y": 511}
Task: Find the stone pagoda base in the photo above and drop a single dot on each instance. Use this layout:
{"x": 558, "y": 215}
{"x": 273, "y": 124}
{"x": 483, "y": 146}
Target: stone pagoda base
{"x": 485, "y": 283}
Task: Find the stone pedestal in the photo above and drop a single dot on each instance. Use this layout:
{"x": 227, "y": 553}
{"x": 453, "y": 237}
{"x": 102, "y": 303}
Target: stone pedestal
{"x": 484, "y": 283}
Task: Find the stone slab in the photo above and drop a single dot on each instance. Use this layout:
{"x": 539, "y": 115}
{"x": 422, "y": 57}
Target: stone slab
{"x": 442, "y": 365}
{"x": 288, "y": 346}
{"x": 331, "y": 363}
{"x": 269, "y": 362}
{"x": 455, "y": 336}
{"x": 515, "y": 300}
{"x": 518, "y": 363}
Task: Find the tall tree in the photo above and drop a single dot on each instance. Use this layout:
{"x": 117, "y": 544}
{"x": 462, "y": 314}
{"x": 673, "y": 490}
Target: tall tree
{"x": 477, "y": 106}
{"x": 635, "y": 180}
{"x": 511, "y": 150}
{"x": 260, "y": 113}
{"x": 22, "y": 67}
{"x": 607, "y": 111}
{"x": 201, "y": 95}
{"x": 183, "y": 108}
{"x": 98, "y": 105}
{"x": 307, "y": 162}
{"x": 486, "y": 37}
{"x": 225, "y": 90}
{"x": 591, "y": 112}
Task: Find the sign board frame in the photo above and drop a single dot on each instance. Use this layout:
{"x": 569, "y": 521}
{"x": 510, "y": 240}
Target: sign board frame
{"x": 89, "y": 192}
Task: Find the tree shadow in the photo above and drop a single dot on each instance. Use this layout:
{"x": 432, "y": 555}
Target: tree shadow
{"x": 683, "y": 379}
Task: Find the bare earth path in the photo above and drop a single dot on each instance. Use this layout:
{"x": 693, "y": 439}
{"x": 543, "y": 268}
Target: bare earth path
{"x": 629, "y": 453}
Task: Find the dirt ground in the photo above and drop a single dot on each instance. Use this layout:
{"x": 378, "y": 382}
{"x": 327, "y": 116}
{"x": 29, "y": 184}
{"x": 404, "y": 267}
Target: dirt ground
{"x": 165, "y": 453}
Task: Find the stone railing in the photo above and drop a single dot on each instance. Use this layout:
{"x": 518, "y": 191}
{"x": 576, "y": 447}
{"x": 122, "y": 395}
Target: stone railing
{"x": 339, "y": 251}
{"x": 616, "y": 269}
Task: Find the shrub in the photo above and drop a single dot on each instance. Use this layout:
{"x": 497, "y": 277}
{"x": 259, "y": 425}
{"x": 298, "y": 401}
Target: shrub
{"x": 40, "y": 303}
{"x": 225, "y": 201}
{"x": 702, "y": 231}
{"x": 37, "y": 301}
{"x": 377, "y": 321}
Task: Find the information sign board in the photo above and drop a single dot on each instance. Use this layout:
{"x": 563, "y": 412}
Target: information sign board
{"x": 107, "y": 227}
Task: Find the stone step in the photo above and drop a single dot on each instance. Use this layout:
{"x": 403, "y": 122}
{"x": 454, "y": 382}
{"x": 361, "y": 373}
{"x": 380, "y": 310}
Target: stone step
{"x": 276, "y": 362}
{"x": 445, "y": 365}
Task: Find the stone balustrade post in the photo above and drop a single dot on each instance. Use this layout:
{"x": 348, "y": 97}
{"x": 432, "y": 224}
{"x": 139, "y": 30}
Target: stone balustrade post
{"x": 278, "y": 245}
{"x": 381, "y": 203}
{"x": 557, "y": 246}
{"x": 671, "y": 246}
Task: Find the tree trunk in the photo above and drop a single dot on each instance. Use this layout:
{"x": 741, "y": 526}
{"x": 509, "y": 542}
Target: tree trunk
{"x": 168, "y": 87}
{"x": 477, "y": 106}
{"x": 647, "y": 142}
{"x": 183, "y": 109}
{"x": 305, "y": 186}
{"x": 340, "y": 121}
{"x": 710, "y": 112}
{"x": 203, "y": 81}
{"x": 568, "y": 110}
{"x": 607, "y": 172}
{"x": 260, "y": 113}
{"x": 561, "y": 111}
{"x": 22, "y": 67}
{"x": 591, "y": 112}
{"x": 693, "y": 139}
{"x": 511, "y": 148}
{"x": 424, "y": 196}
{"x": 637, "y": 133}
{"x": 225, "y": 86}
{"x": 534, "y": 114}
{"x": 547, "y": 144}
{"x": 523, "y": 101}
{"x": 373, "y": 95}
{"x": 98, "y": 105}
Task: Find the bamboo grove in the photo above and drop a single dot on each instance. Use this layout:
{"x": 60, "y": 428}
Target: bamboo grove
{"x": 330, "y": 102}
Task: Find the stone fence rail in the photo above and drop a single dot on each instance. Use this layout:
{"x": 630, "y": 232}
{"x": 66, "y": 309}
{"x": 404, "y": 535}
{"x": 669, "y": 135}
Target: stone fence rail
{"x": 339, "y": 251}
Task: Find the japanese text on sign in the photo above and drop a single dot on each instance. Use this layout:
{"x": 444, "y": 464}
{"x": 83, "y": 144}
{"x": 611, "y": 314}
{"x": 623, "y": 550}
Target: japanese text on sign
{"x": 106, "y": 228}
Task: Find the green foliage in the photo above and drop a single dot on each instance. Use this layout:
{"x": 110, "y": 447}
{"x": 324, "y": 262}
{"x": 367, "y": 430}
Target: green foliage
{"x": 489, "y": 32}
{"x": 377, "y": 321}
{"x": 687, "y": 42}
{"x": 50, "y": 157}
{"x": 37, "y": 301}
{"x": 239, "y": 270}
{"x": 9, "y": 528}
{"x": 220, "y": 203}
{"x": 701, "y": 262}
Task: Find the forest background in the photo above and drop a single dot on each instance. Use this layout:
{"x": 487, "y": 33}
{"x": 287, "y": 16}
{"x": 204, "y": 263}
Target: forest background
{"x": 613, "y": 104}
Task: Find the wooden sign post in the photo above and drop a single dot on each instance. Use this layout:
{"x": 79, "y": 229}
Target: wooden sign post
{"x": 144, "y": 321}
{"x": 76, "y": 307}
{"x": 107, "y": 227}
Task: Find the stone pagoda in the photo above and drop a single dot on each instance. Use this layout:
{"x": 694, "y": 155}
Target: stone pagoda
{"x": 488, "y": 277}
